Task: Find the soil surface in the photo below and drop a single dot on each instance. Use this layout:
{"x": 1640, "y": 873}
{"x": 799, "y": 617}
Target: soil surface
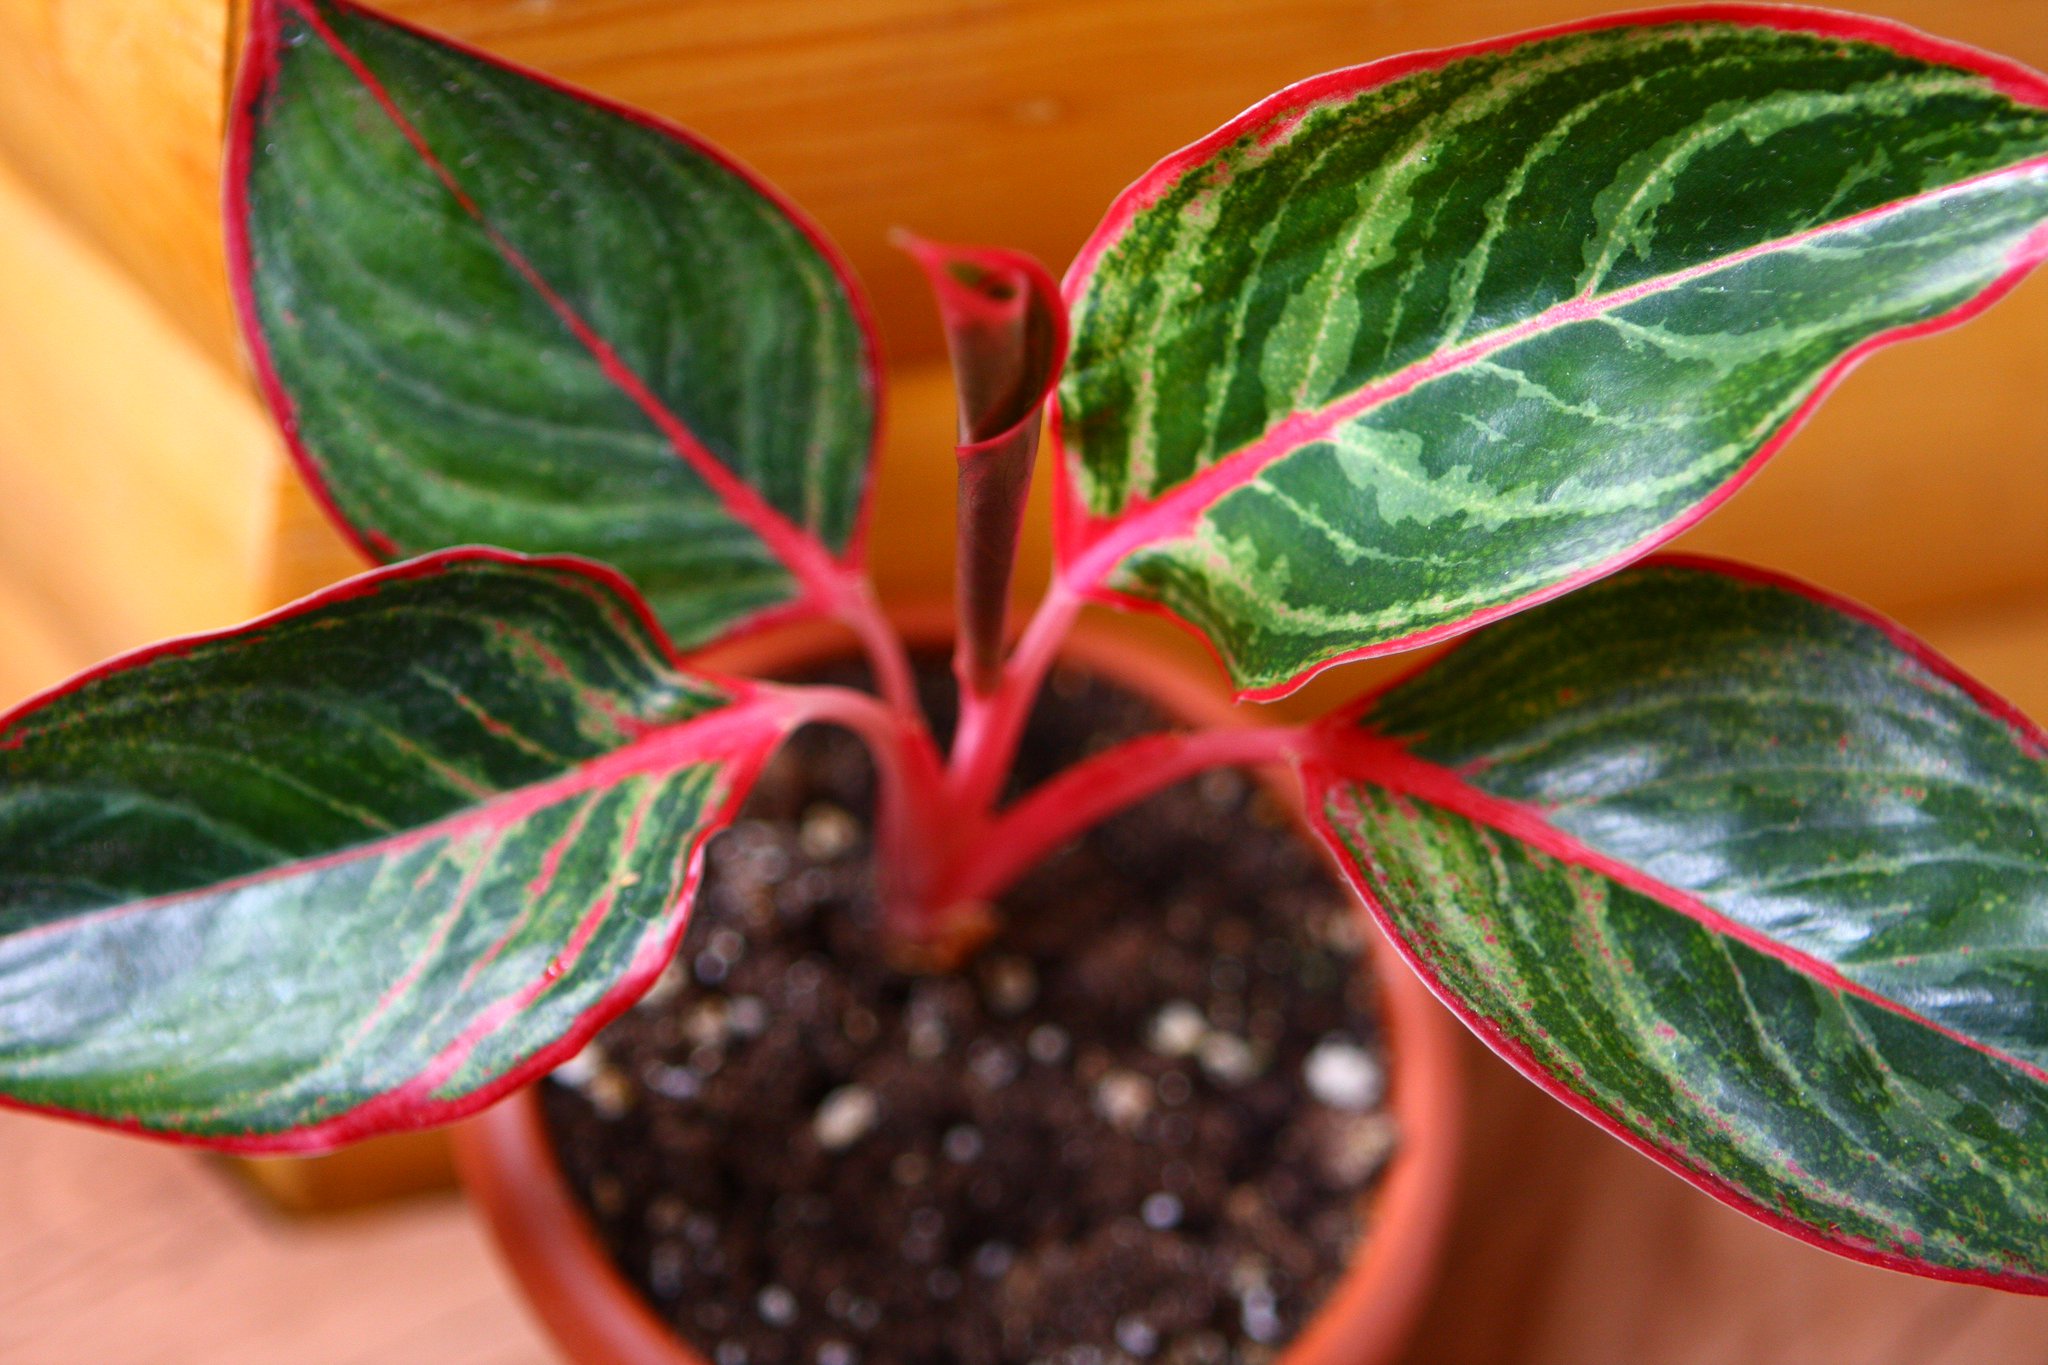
{"x": 1135, "y": 1128}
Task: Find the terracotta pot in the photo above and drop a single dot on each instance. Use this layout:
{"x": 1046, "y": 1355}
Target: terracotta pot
{"x": 509, "y": 1168}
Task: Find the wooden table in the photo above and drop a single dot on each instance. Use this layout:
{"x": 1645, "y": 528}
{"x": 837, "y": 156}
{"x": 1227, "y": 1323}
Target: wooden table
{"x": 120, "y": 1252}
{"x": 1568, "y": 1250}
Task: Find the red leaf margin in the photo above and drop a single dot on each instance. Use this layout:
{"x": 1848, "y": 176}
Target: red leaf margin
{"x": 258, "y": 66}
{"x": 410, "y": 1106}
{"x": 1079, "y": 538}
{"x": 1319, "y": 777}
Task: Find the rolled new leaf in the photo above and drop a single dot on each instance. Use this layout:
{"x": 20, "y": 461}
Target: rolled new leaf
{"x": 1411, "y": 346}
{"x": 1006, "y": 331}
{"x": 361, "y": 865}
{"x": 491, "y": 310}
{"x": 1750, "y": 878}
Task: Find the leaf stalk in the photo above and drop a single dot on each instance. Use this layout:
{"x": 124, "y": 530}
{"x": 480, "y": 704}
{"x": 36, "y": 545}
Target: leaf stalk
{"x": 1091, "y": 791}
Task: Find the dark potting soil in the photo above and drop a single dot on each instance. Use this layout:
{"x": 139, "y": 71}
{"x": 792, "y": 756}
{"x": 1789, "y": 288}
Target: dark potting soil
{"x": 1135, "y": 1128}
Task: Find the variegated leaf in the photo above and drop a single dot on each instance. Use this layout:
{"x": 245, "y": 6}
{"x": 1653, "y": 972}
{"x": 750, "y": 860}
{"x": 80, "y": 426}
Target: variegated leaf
{"x": 1409, "y": 347}
{"x": 1750, "y": 878}
{"x": 360, "y": 865}
{"x": 491, "y": 310}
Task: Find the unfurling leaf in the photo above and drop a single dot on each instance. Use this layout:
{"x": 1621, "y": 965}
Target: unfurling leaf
{"x": 363, "y": 864}
{"x": 1006, "y": 330}
{"x": 490, "y": 310}
{"x": 1409, "y": 347}
{"x": 1750, "y": 878}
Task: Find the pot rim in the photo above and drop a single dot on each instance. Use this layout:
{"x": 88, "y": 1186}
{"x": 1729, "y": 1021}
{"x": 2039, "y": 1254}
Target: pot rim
{"x": 509, "y": 1170}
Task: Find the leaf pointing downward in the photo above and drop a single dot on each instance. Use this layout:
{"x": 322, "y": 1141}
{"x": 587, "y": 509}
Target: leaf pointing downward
{"x": 364, "y": 864}
{"x": 1411, "y": 346}
{"x": 1750, "y": 878}
{"x": 490, "y": 310}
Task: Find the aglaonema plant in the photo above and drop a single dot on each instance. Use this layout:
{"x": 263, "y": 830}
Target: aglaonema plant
{"x": 1743, "y": 873}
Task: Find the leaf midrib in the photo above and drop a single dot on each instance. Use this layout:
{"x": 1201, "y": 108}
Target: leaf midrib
{"x": 822, "y": 575}
{"x": 1104, "y": 542}
{"x": 663, "y": 749}
{"x": 1359, "y": 756}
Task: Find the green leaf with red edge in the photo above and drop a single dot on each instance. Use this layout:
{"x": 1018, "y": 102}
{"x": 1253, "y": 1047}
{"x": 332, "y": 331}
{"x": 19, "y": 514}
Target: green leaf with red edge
{"x": 1006, "y": 330}
{"x": 363, "y": 864}
{"x": 491, "y": 310}
{"x": 1749, "y": 877}
{"x": 1411, "y": 346}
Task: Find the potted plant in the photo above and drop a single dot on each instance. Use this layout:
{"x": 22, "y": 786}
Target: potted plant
{"x": 1738, "y": 870}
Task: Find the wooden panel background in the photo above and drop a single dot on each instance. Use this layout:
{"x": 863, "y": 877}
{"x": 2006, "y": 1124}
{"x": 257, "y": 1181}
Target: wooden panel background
{"x": 983, "y": 119}
{"x": 141, "y": 493}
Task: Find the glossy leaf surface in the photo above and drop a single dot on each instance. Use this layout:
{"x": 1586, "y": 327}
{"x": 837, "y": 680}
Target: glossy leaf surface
{"x": 1408, "y": 347}
{"x": 489, "y": 310}
{"x": 1750, "y": 878}
{"x": 361, "y": 865}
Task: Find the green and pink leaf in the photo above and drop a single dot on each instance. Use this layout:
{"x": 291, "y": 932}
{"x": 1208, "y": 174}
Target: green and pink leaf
{"x": 363, "y": 864}
{"x": 487, "y": 309}
{"x": 1749, "y": 877}
{"x": 1409, "y": 347}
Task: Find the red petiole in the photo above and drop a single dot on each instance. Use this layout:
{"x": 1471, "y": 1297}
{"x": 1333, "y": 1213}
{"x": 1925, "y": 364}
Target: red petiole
{"x": 857, "y": 608}
{"x": 945, "y": 849}
{"x": 1088, "y": 793}
{"x": 992, "y": 722}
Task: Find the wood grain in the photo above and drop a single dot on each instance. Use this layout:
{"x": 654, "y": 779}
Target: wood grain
{"x": 117, "y": 1251}
{"x": 113, "y": 111}
{"x": 980, "y": 119}
{"x": 137, "y": 477}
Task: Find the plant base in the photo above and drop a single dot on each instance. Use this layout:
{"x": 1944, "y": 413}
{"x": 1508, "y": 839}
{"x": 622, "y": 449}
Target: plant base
{"x": 1079, "y": 1065}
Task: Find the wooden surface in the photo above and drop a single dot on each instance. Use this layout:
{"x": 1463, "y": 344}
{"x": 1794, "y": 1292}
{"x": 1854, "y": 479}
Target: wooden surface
{"x": 1012, "y": 120}
{"x": 141, "y": 492}
{"x": 113, "y": 1252}
{"x": 113, "y": 110}
{"x": 1569, "y": 1250}
{"x": 135, "y": 489}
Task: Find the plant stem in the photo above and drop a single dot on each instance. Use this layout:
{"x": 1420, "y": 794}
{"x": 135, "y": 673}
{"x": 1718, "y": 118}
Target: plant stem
{"x": 993, "y": 483}
{"x": 991, "y": 723}
{"x": 915, "y": 835}
{"x": 1091, "y": 791}
{"x": 1006, "y": 332}
{"x": 886, "y": 655}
